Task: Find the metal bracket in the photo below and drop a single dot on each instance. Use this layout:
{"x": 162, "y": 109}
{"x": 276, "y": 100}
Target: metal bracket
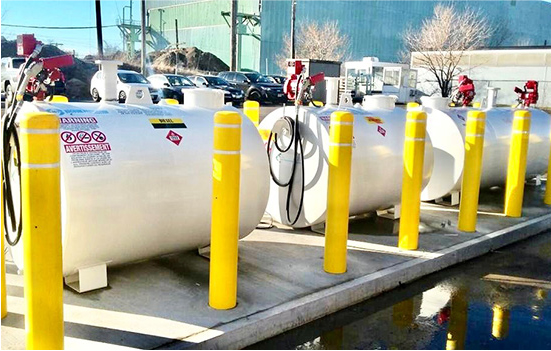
{"x": 454, "y": 199}
{"x": 390, "y": 213}
{"x": 535, "y": 181}
{"x": 87, "y": 279}
{"x": 318, "y": 228}
{"x": 204, "y": 252}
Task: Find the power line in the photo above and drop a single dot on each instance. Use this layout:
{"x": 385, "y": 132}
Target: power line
{"x": 42, "y": 27}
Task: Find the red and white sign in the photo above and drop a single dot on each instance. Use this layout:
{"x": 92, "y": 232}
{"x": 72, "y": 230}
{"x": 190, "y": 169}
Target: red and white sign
{"x": 174, "y": 137}
{"x": 84, "y": 137}
{"x": 381, "y": 130}
{"x": 98, "y": 136}
{"x": 68, "y": 137}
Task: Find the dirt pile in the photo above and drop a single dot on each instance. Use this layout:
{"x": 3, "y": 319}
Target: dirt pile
{"x": 191, "y": 60}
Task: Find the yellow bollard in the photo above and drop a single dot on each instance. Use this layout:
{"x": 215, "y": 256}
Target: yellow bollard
{"x": 225, "y": 210}
{"x": 251, "y": 109}
{"x": 412, "y": 179}
{"x": 516, "y": 170}
{"x": 338, "y": 192}
{"x": 4, "y": 295}
{"x": 472, "y": 169}
{"x": 500, "y": 322}
{"x": 547, "y": 196}
{"x": 412, "y": 106}
{"x": 476, "y": 104}
{"x": 457, "y": 326}
{"x": 403, "y": 314}
{"x": 171, "y": 101}
{"x": 41, "y": 202}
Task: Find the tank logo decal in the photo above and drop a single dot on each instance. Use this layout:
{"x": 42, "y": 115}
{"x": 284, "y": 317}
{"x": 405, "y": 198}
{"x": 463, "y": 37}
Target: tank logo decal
{"x": 381, "y": 130}
{"x": 374, "y": 120}
{"x": 167, "y": 123}
{"x": 174, "y": 137}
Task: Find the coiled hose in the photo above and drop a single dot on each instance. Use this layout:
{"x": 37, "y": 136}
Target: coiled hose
{"x": 293, "y": 127}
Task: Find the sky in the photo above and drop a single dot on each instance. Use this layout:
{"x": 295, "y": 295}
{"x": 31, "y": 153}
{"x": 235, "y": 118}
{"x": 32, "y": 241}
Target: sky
{"x": 65, "y": 13}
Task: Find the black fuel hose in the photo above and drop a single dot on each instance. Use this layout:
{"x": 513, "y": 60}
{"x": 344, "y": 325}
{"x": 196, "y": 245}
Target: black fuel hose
{"x": 296, "y": 139}
{"x": 9, "y": 133}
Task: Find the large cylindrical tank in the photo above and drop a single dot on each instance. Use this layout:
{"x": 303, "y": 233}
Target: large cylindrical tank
{"x": 446, "y": 128}
{"x": 136, "y": 181}
{"x": 376, "y": 162}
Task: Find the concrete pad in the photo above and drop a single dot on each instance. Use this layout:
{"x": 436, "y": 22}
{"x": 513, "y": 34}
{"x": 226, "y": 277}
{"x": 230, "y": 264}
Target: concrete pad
{"x": 163, "y": 303}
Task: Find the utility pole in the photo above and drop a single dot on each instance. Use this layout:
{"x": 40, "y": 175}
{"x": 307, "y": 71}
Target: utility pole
{"x": 233, "y": 34}
{"x": 143, "y": 37}
{"x": 177, "y": 46}
{"x": 293, "y": 15}
{"x": 99, "y": 30}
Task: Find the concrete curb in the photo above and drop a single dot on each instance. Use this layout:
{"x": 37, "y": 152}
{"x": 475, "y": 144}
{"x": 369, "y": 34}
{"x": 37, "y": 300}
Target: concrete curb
{"x": 265, "y": 324}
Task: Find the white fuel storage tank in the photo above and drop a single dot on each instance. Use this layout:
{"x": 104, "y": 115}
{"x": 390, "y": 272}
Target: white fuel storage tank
{"x": 136, "y": 181}
{"x": 446, "y": 128}
{"x": 377, "y": 162}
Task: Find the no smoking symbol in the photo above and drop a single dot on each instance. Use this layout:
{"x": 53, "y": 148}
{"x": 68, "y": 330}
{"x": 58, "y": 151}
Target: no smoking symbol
{"x": 98, "y": 136}
{"x": 68, "y": 137}
{"x": 84, "y": 137}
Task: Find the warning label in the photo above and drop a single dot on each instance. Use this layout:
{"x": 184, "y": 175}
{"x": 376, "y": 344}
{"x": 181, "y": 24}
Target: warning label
{"x": 381, "y": 130}
{"x": 84, "y": 143}
{"x": 167, "y": 123}
{"x": 374, "y": 120}
{"x": 77, "y": 120}
{"x": 174, "y": 137}
{"x": 87, "y": 148}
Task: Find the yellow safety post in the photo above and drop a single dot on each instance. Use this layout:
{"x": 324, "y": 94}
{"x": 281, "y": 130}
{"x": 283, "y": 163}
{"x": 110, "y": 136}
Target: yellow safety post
{"x": 57, "y": 98}
{"x": 171, "y": 101}
{"x": 500, "y": 322}
{"x": 516, "y": 170}
{"x": 225, "y": 210}
{"x": 412, "y": 179}
{"x": 403, "y": 314}
{"x": 316, "y": 103}
{"x": 411, "y": 106}
{"x": 41, "y": 219}
{"x": 547, "y": 196}
{"x": 251, "y": 109}
{"x": 333, "y": 339}
{"x": 338, "y": 192}
{"x": 4, "y": 295}
{"x": 472, "y": 169}
{"x": 457, "y": 326}
{"x": 476, "y": 104}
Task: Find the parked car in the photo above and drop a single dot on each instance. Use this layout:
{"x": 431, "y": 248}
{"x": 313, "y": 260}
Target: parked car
{"x": 232, "y": 94}
{"x": 171, "y": 86}
{"x": 256, "y": 86}
{"x": 10, "y": 73}
{"x": 277, "y": 79}
{"x": 125, "y": 79}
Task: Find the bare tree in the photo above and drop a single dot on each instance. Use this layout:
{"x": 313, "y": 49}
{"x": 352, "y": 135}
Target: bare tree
{"x": 442, "y": 40}
{"x": 316, "y": 41}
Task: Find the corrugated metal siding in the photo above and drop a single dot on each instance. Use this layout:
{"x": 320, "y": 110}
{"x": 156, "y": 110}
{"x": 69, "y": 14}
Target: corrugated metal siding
{"x": 201, "y": 24}
{"x": 375, "y": 27}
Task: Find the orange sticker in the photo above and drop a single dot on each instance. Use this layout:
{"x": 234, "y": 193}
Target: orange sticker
{"x": 374, "y": 120}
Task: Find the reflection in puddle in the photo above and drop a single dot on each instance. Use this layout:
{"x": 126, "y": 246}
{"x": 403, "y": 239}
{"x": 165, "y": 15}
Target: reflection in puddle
{"x": 498, "y": 301}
